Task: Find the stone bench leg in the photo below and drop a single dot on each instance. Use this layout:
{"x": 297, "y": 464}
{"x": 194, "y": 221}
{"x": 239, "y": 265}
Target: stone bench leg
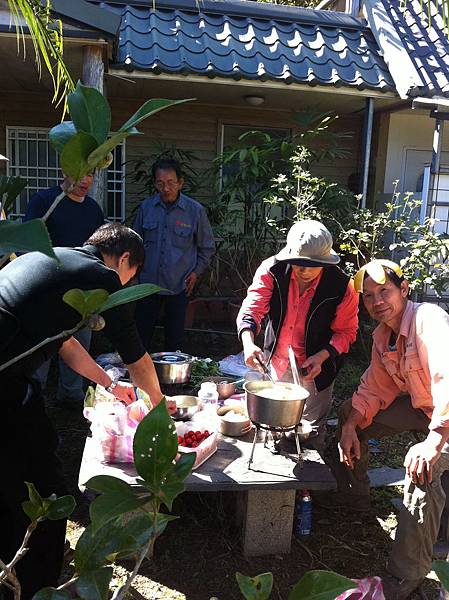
{"x": 267, "y": 521}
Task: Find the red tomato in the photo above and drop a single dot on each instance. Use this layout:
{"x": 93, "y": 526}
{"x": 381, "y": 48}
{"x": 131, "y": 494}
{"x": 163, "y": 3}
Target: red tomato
{"x": 190, "y": 433}
{"x": 194, "y": 444}
{"x": 180, "y": 439}
{"x": 198, "y": 436}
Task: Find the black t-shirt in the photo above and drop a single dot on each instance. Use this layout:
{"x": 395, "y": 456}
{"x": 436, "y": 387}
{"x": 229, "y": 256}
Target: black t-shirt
{"x": 32, "y": 308}
{"x": 71, "y": 223}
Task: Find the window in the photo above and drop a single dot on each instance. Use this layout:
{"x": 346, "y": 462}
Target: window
{"x": 32, "y": 157}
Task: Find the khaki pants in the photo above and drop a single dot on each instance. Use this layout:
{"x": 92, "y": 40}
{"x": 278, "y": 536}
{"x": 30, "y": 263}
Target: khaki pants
{"x": 419, "y": 517}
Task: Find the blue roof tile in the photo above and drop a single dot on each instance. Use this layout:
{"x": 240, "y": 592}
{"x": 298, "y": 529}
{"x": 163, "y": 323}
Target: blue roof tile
{"x": 250, "y": 41}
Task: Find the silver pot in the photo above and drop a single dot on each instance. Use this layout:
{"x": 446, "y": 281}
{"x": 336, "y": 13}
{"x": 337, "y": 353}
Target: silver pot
{"x": 172, "y": 367}
{"x": 284, "y": 407}
{"x": 186, "y": 407}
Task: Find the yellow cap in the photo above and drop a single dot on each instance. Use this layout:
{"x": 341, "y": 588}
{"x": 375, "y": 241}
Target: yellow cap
{"x": 375, "y": 269}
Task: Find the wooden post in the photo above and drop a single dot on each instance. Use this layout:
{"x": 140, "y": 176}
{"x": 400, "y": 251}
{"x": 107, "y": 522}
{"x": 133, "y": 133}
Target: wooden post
{"x": 93, "y": 76}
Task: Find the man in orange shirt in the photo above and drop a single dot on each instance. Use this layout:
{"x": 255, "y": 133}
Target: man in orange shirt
{"x": 405, "y": 388}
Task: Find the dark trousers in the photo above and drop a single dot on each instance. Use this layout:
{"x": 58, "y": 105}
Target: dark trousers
{"x": 147, "y": 314}
{"x": 27, "y": 446}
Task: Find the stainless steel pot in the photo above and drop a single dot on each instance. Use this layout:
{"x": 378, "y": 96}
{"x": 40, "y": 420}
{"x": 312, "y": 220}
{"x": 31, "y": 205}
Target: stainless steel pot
{"x": 173, "y": 367}
{"x": 284, "y": 407}
{"x": 186, "y": 407}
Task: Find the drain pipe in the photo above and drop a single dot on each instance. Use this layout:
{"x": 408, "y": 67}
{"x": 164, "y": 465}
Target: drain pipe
{"x": 368, "y": 132}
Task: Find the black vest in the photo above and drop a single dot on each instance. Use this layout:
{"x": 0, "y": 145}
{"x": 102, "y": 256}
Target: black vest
{"x": 327, "y": 297}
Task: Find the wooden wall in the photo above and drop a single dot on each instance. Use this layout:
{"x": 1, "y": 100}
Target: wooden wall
{"x": 195, "y": 127}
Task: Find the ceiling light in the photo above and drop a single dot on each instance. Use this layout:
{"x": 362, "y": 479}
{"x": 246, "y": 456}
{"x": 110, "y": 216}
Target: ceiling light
{"x": 255, "y": 100}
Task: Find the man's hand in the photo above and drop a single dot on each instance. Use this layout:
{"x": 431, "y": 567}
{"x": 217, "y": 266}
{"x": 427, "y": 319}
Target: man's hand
{"x": 419, "y": 461}
{"x": 349, "y": 445}
{"x": 190, "y": 282}
{"x": 313, "y": 364}
{"x": 124, "y": 393}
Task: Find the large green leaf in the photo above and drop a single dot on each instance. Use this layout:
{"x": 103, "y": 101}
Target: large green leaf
{"x": 173, "y": 482}
{"x": 60, "y": 134}
{"x": 321, "y": 585}
{"x": 94, "y": 585}
{"x": 10, "y": 187}
{"x": 155, "y": 445}
{"x": 107, "y": 484}
{"x": 60, "y": 508}
{"x": 25, "y": 237}
{"x": 50, "y": 593}
{"x": 85, "y": 302}
{"x": 150, "y": 107}
{"x": 255, "y": 588}
{"x": 110, "y": 505}
{"x": 99, "y": 154}
{"x": 117, "y": 537}
{"x": 90, "y": 112}
{"x": 131, "y": 294}
{"x": 441, "y": 568}
{"x": 74, "y": 156}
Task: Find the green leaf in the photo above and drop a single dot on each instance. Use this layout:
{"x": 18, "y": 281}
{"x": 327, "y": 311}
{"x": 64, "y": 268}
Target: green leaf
{"x": 50, "y": 593}
{"x": 32, "y": 511}
{"x": 321, "y": 585}
{"x": 25, "y": 237}
{"x": 173, "y": 482}
{"x": 33, "y": 494}
{"x": 255, "y": 588}
{"x": 85, "y": 302}
{"x": 131, "y": 294}
{"x": 155, "y": 445}
{"x": 99, "y": 153}
{"x": 94, "y": 585}
{"x": 108, "y": 506}
{"x": 107, "y": 484}
{"x": 116, "y": 537}
{"x": 60, "y": 134}
{"x": 150, "y": 108}
{"x": 441, "y": 568}
{"x": 90, "y": 112}
{"x": 11, "y": 187}
{"x": 60, "y": 508}
{"x": 75, "y": 154}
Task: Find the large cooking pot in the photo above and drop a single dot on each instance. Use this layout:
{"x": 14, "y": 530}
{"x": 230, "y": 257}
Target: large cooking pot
{"x": 275, "y": 405}
{"x": 172, "y": 367}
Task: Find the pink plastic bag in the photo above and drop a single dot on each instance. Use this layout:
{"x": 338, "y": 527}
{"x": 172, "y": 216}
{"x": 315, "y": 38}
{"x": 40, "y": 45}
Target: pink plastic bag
{"x": 113, "y": 426}
{"x": 367, "y": 589}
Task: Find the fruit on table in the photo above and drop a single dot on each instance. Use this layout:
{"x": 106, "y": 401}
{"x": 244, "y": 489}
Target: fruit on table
{"x": 192, "y": 439}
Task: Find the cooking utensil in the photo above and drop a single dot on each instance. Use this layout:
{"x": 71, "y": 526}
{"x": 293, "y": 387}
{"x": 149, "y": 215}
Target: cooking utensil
{"x": 173, "y": 367}
{"x": 275, "y": 405}
{"x": 186, "y": 407}
{"x": 293, "y": 366}
{"x": 226, "y": 387}
{"x": 265, "y": 370}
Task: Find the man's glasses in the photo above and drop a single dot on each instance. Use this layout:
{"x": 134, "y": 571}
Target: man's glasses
{"x": 160, "y": 185}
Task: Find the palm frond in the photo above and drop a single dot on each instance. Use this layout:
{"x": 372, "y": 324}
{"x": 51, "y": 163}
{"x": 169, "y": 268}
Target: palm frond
{"x": 47, "y": 37}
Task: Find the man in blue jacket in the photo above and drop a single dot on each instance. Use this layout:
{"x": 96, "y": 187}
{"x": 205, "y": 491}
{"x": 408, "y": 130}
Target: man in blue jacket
{"x": 179, "y": 244}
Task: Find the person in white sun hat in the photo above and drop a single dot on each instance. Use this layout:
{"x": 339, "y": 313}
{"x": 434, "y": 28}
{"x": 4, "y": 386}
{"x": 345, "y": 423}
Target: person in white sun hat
{"x": 310, "y": 305}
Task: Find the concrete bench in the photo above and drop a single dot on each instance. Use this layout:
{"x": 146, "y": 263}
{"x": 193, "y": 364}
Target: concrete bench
{"x": 266, "y": 492}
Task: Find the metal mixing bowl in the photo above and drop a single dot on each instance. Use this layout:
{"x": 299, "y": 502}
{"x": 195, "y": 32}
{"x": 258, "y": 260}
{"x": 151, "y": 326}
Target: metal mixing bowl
{"x": 172, "y": 367}
{"x": 186, "y": 407}
{"x": 226, "y": 386}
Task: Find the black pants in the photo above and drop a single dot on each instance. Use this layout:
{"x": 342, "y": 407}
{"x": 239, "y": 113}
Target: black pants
{"x": 147, "y": 314}
{"x": 27, "y": 448}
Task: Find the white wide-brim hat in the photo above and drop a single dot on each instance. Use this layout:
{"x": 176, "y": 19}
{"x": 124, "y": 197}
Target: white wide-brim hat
{"x": 309, "y": 243}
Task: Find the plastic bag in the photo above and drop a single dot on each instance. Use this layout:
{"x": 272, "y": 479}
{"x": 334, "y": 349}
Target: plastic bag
{"x": 113, "y": 426}
{"x": 369, "y": 588}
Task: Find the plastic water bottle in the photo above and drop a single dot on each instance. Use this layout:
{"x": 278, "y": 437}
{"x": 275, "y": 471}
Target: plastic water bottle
{"x": 303, "y": 525}
{"x": 208, "y": 394}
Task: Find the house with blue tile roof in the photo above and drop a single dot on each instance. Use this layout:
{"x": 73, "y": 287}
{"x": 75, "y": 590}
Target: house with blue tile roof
{"x": 248, "y": 65}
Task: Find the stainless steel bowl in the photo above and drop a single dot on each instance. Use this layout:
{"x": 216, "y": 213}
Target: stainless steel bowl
{"x": 283, "y": 411}
{"x": 172, "y": 367}
{"x": 226, "y": 386}
{"x": 186, "y": 407}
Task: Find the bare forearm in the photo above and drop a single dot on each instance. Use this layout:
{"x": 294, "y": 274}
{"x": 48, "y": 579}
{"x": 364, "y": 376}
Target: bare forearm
{"x": 438, "y": 437}
{"x": 78, "y": 359}
{"x": 143, "y": 375}
{"x": 247, "y": 337}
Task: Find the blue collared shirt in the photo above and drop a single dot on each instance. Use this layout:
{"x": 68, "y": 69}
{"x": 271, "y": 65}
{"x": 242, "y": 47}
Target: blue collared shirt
{"x": 178, "y": 239}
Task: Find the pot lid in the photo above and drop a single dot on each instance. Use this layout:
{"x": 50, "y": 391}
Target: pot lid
{"x": 171, "y": 357}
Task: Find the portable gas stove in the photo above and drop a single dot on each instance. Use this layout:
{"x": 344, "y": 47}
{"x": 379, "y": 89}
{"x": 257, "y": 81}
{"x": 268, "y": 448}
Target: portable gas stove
{"x": 270, "y": 430}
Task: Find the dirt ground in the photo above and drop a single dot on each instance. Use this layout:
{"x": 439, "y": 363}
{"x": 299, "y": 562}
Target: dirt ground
{"x": 198, "y": 555}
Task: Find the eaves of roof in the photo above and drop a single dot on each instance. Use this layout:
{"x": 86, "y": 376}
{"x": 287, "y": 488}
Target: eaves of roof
{"x": 249, "y": 41}
{"x": 86, "y": 14}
